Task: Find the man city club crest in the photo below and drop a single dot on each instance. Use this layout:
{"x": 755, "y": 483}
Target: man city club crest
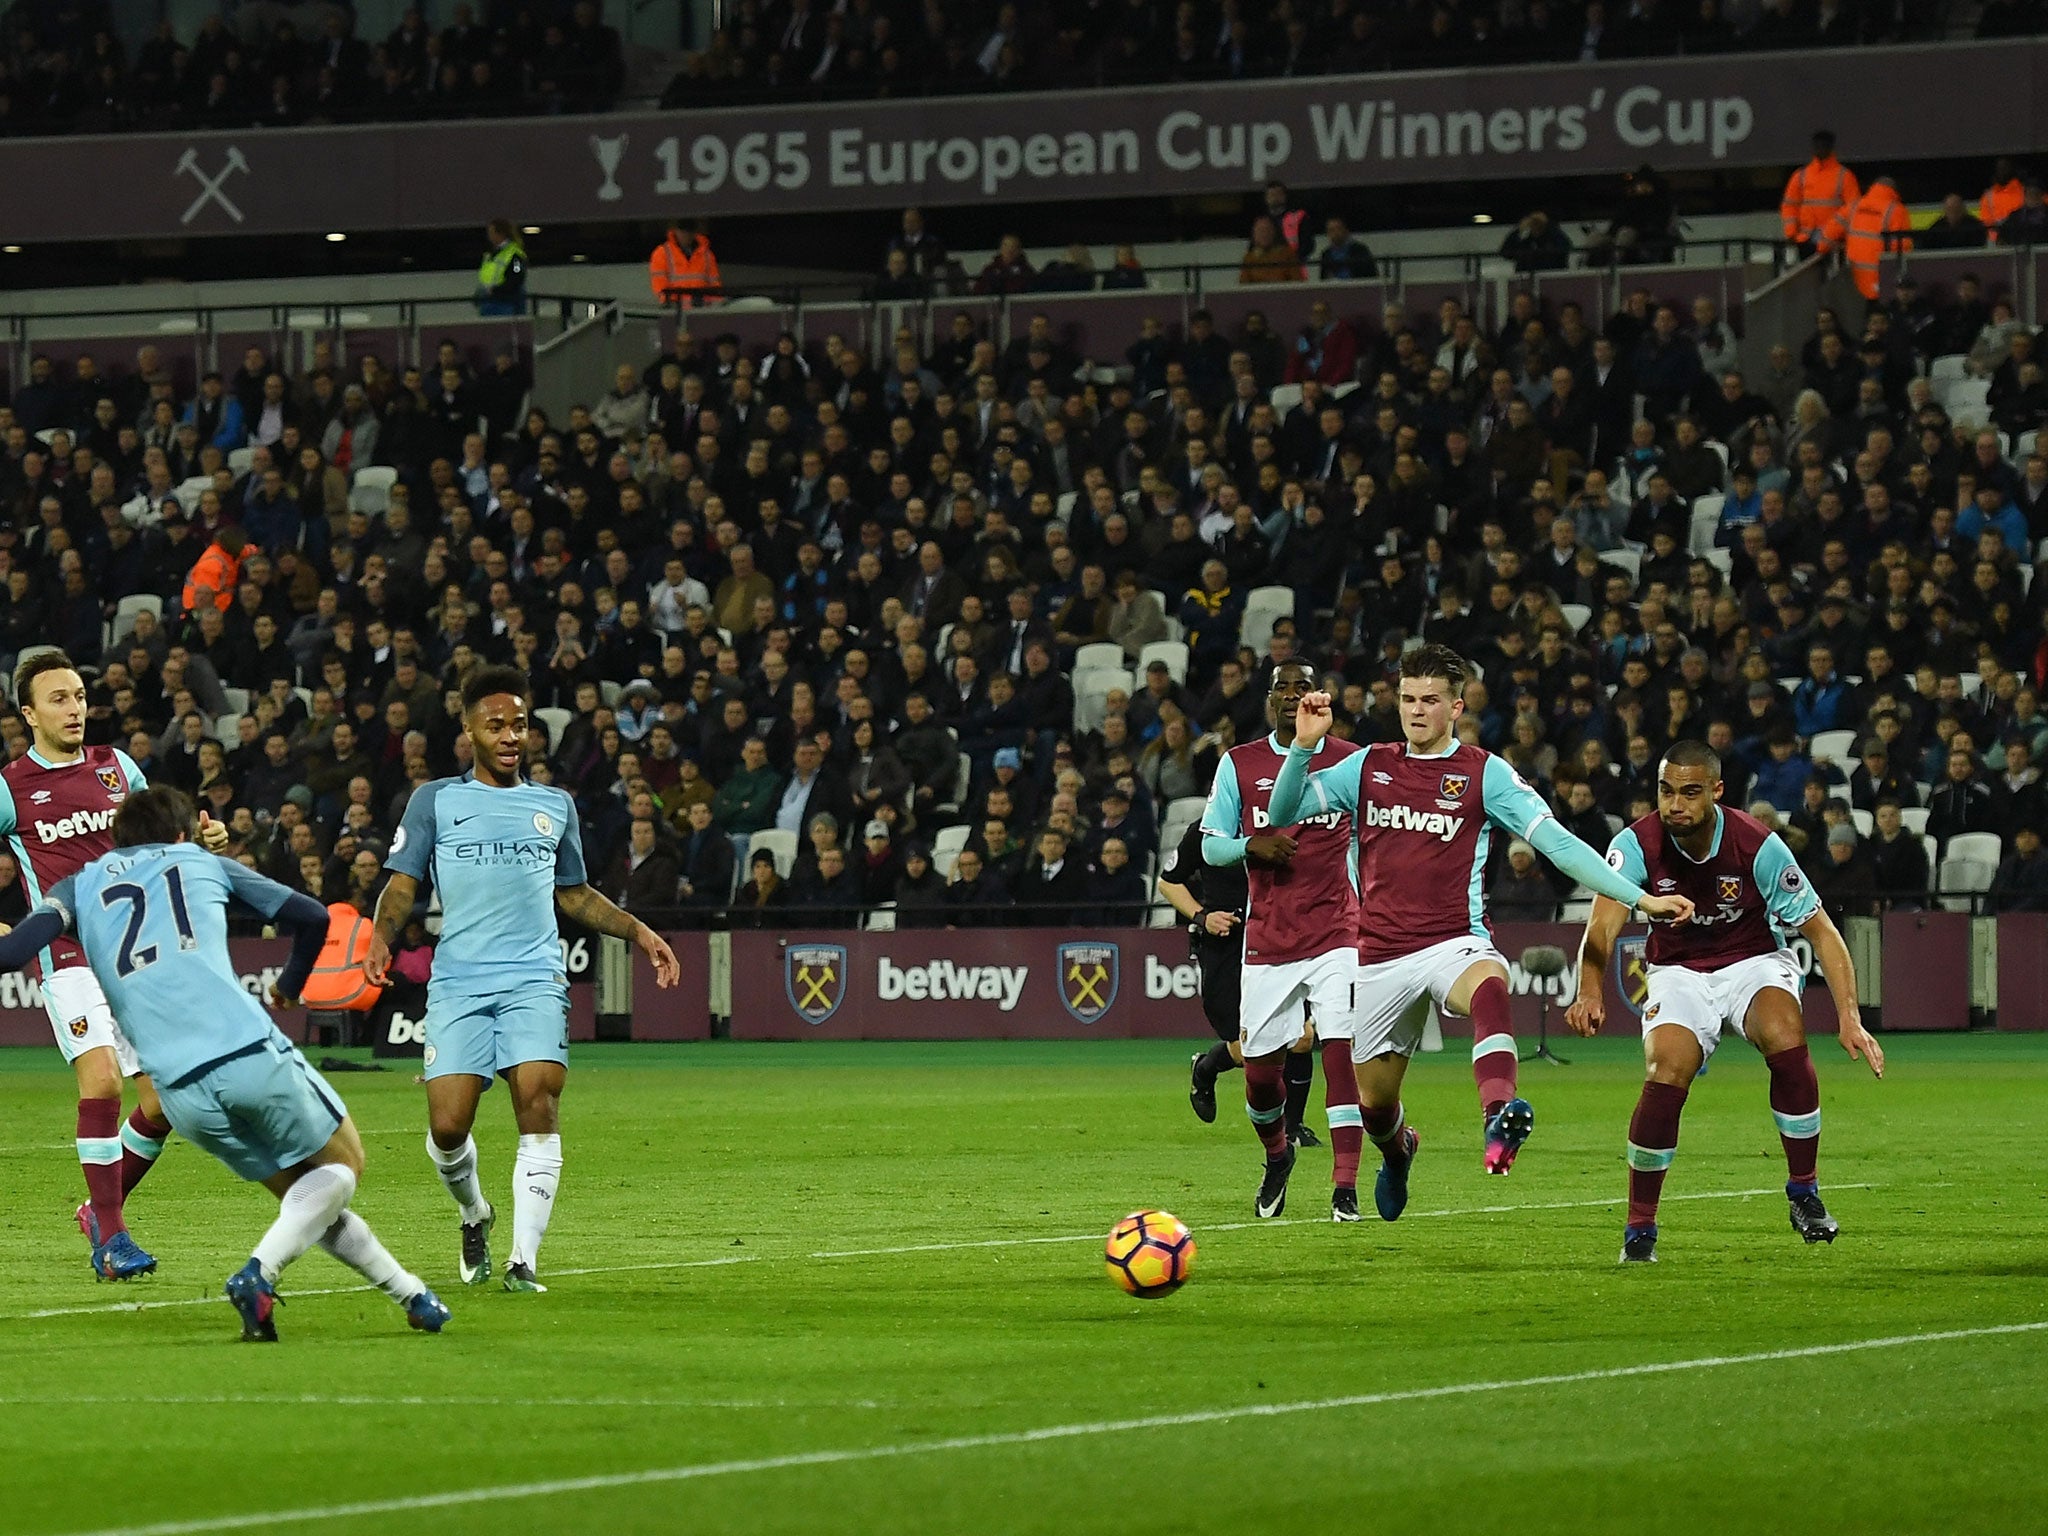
{"x": 814, "y": 976}
{"x": 1634, "y": 974}
{"x": 1088, "y": 977}
{"x": 1454, "y": 785}
{"x": 1731, "y": 887}
{"x": 111, "y": 778}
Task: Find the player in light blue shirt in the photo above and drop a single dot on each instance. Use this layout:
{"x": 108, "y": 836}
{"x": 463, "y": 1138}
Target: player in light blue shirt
{"x": 504, "y": 854}
{"x": 152, "y": 919}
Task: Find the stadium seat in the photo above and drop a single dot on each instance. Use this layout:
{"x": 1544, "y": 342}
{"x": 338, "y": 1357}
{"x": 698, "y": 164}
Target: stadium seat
{"x": 1160, "y": 914}
{"x": 237, "y": 699}
{"x": 1346, "y": 388}
{"x": 1865, "y": 823}
{"x": 881, "y": 919}
{"x": 781, "y": 846}
{"x": 1975, "y": 847}
{"x": 1175, "y": 630}
{"x": 610, "y": 691}
{"x": 1969, "y": 400}
{"x": 227, "y": 730}
{"x": 239, "y": 461}
{"x": 1179, "y": 816}
{"x": 1973, "y": 683}
{"x": 1091, "y": 690}
{"x": 1706, "y": 522}
{"x": 557, "y": 721}
{"x": 1914, "y": 819}
{"x": 1630, "y": 560}
{"x": 2026, "y": 444}
{"x": 128, "y": 607}
{"x": 963, "y": 776}
{"x": 1952, "y": 368}
{"x": 1720, "y": 448}
{"x": 1284, "y": 398}
{"x": 373, "y": 499}
{"x": 1933, "y": 861}
{"x": 1835, "y": 746}
{"x": 1262, "y": 609}
{"x": 1722, "y": 560}
{"x": 1962, "y": 879}
{"x": 1577, "y": 615}
{"x": 950, "y": 840}
{"x": 1064, "y": 506}
{"x": 186, "y": 492}
{"x": 380, "y": 475}
{"x": 944, "y": 862}
{"x": 1173, "y": 652}
{"x": 1101, "y": 656}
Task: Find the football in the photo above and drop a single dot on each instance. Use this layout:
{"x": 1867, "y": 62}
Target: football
{"x": 1150, "y": 1253}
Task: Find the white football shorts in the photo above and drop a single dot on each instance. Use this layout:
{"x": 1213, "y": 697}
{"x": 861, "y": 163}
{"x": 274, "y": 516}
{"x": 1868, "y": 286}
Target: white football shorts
{"x": 1707, "y": 1002}
{"x": 1394, "y": 996}
{"x": 81, "y": 1018}
{"x": 1271, "y": 999}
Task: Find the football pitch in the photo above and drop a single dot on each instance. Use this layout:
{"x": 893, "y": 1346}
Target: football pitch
{"x": 859, "y": 1288}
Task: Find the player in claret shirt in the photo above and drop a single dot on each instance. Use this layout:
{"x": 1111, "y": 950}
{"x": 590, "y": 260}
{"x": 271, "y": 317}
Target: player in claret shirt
{"x": 1425, "y": 809}
{"x": 1298, "y": 948}
{"x": 1728, "y": 968}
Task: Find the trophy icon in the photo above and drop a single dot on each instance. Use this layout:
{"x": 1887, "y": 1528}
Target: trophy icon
{"x": 609, "y": 152}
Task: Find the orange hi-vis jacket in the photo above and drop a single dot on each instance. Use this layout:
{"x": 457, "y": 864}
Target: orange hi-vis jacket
{"x": 213, "y": 579}
{"x": 337, "y": 984}
{"x": 1814, "y": 193}
{"x": 1861, "y": 232}
{"x": 1999, "y": 203}
{"x": 684, "y": 277}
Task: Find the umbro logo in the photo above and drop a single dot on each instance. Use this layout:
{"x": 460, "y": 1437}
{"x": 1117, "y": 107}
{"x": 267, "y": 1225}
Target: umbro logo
{"x": 1667, "y": 885}
{"x": 1382, "y": 778}
{"x": 1262, "y": 783}
{"x": 40, "y": 797}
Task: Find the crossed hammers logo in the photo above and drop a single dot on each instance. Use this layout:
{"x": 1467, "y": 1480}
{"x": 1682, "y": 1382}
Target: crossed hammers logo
{"x": 210, "y": 186}
{"x": 1088, "y": 985}
{"x": 814, "y": 999}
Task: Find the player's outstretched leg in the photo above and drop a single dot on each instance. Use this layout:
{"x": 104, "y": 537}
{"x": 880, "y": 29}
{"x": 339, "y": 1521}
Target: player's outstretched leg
{"x": 307, "y": 1206}
{"x": 1347, "y": 1128}
{"x": 352, "y": 1242}
{"x": 1298, "y": 1072}
{"x": 1265, "y": 1101}
{"x": 1206, "y": 1067}
{"x": 142, "y": 1143}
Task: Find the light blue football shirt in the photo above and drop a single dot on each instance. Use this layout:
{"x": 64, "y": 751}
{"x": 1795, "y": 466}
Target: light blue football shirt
{"x": 497, "y": 856}
{"x": 154, "y": 925}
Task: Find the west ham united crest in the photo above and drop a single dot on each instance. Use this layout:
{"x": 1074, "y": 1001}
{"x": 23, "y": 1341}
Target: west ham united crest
{"x": 1454, "y": 786}
{"x": 1088, "y": 977}
{"x": 1731, "y": 887}
{"x": 1633, "y": 972}
{"x": 814, "y": 976}
{"x": 111, "y": 778}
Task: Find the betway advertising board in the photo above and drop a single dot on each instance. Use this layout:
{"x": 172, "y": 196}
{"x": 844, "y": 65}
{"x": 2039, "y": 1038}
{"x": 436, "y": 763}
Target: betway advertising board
{"x": 1053, "y": 984}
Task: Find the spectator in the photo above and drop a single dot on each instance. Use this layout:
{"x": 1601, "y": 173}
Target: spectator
{"x": 1843, "y": 879}
{"x": 1009, "y": 270}
{"x": 1964, "y": 801}
{"x": 1118, "y": 893}
{"x": 1053, "y": 886}
{"x": 1821, "y": 701}
{"x": 706, "y": 860}
{"x": 1344, "y": 257}
{"x": 1520, "y": 892}
{"x": 1268, "y": 258}
{"x": 762, "y": 892}
{"x": 1899, "y": 870}
{"x": 1957, "y": 229}
{"x": 501, "y": 279}
{"x": 2021, "y": 884}
{"x": 682, "y": 269}
{"x": 747, "y": 802}
{"x": 1537, "y": 245}
{"x": 973, "y": 896}
{"x": 643, "y": 876}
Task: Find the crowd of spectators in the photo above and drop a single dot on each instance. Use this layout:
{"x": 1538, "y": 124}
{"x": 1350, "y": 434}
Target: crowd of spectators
{"x": 795, "y": 49}
{"x": 65, "y": 69}
{"x": 844, "y": 597}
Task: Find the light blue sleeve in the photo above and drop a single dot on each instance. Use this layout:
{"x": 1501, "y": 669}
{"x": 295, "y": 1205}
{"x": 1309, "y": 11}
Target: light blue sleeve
{"x": 8, "y": 823}
{"x": 569, "y": 851}
{"x": 1787, "y": 892}
{"x": 1298, "y": 792}
{"x": 260, "y": 893}
{"x": 1223, "y": 839}
{"x": 62, "y": 898}
{"x": 129, "y": 767}
{"x": 1509, "y": 802}
{"x": 1625, "y": 856}
{"x": 414, "y": 844}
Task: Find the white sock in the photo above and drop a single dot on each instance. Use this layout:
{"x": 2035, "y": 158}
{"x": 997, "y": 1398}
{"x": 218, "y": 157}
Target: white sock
{"x": 351, "y": 1241}
{"x": 458, "y": 1172}
{"x": 535, "y": 1173}
{"x": 308, "y": 1209}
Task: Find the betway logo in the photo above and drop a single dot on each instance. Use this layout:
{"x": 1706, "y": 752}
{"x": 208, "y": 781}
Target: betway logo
{"x": 1405, "y": 818}
{"x": 943, "y": 981}
{"x": 1332, "y": 819}
{"x": 77, "y": 824}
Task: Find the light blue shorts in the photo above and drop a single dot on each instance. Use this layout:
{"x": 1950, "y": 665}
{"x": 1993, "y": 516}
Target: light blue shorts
{"x": 483, "y": 1034}
{"x": 259, "y": 1112}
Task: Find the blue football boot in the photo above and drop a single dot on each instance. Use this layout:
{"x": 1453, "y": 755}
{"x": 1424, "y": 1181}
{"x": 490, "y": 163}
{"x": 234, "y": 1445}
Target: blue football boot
{"x": 427, "y": 1312}
{"x": 121, "y": 1258}
{"x": 1506, "y": 1129}
{"x": 1390, "y": 1189}
{"x": 256, "y": 1299}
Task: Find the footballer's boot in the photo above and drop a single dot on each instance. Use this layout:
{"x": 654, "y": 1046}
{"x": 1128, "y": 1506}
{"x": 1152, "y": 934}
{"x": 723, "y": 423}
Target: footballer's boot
{"x": 1272, "y": 1197}
{"x": 1810, "y": 1219}
{"x": 1344, "y": 1204}
{"x": 87, "y": 1224}
{"x": 1639, "y": 1245}
{"x": 427, "y": 1312}
{"x": 256, "y": 1299}
{"x": 1390, "y": 1189}
{"x": 1302, "y": 1136}
{"x": 121, "y": 1258}
{"x": 1506, "y": 1129}
{"x": 519, "y": 1277}
{"x": 475, "y": 1264}
{"x": 1202, "y": 1091}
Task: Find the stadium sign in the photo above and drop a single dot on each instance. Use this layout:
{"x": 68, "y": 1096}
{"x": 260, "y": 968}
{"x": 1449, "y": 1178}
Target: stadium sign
{"x": 1320, "y": 131}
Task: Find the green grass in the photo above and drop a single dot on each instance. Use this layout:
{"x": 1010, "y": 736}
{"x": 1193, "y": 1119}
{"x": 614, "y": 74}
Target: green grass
{"x": 771, "y": 1156}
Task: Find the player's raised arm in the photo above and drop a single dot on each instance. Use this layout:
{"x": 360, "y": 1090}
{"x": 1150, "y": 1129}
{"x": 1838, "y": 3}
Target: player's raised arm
{"x": 1296, "y": 790}
{"x": 1516, "y": 808}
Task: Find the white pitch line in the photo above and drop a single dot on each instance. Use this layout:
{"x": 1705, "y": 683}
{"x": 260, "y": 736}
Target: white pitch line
{"x": 315, "y": 1399}
{"x": 870, "y": 1253}
{"x": 701, "y": 1470}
